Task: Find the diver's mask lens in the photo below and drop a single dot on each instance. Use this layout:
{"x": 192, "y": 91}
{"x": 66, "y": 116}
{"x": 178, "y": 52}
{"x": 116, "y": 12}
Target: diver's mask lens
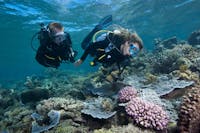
{"x": 133, "y": 50}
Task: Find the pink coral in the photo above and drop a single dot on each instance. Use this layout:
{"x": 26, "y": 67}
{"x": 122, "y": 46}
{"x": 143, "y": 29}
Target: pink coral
{"x": 127, "y": 93}
{"x": 147, "y": 114}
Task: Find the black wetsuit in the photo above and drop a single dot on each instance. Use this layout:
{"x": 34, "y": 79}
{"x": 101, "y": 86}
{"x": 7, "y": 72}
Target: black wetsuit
{"x": 51, "y": 54}
{"x": 97, "y": 50}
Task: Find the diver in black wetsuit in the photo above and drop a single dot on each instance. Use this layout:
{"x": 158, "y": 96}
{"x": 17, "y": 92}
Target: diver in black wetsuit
{"x": 55, "y": 46}
{"x": 113, "y": 48}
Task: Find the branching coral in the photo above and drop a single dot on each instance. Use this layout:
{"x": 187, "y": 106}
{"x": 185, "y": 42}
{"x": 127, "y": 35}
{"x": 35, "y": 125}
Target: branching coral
{"x": 147, "y": 114}
{"x": 142, "y": 112}
{"x": 189, "y": 114}
{"x": 127, "y": 93}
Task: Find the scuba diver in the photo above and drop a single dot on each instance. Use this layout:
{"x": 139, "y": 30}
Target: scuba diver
{"x": 55, "y": 46}
{"x": 113, "y": 48}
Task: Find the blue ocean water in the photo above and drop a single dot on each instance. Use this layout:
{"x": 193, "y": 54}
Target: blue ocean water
{"x": 150, "y": 18}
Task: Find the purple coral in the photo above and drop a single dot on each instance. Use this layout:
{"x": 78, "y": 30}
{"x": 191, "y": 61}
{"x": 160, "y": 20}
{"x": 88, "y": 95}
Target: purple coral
{"x": 127, "y": 93}
{"x": 147, "y": 114}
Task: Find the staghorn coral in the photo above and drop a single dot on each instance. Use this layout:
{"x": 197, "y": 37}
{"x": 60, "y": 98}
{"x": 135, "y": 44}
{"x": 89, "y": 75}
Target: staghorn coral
{"x": 189, "y": 113}
{"x": 127, "y": 93}
{"x": 147, "y": 114}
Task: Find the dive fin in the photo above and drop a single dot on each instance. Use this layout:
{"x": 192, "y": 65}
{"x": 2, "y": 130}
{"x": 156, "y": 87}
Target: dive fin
{"x": 103, "y": 23}
{"x": 106, "y": 21}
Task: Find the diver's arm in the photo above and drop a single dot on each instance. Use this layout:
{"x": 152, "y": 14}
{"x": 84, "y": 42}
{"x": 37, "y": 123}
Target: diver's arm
{"x": 83, "y": 57}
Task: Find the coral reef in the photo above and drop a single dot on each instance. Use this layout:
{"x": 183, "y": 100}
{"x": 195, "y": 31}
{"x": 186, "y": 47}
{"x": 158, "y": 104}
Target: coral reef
{"x": 147, "y": 114}
{"x": 160, "y": 78}
{"x": 7, "y": 98}
{"x": 189, "y": 114}
{"x": 17, "y": 120}
{"x": 194, "y": 38}
{"x": 127, "y": 93}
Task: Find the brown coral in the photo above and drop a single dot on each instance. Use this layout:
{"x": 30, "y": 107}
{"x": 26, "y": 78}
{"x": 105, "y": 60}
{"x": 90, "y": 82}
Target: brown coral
{"x": 189, "y": 114}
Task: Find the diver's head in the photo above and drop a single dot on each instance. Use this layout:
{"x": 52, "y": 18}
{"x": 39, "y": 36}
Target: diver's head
{"x": 134, "y": 38}
{"x": 55, "y": 28}
{"x": 133, "y": 46}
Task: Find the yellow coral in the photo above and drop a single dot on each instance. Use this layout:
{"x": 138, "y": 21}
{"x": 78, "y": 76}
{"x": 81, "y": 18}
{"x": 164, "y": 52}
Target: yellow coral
{"x": 107, "y": 104}
{"x": 183, "y": 67}
{"x": 150, "y": 78}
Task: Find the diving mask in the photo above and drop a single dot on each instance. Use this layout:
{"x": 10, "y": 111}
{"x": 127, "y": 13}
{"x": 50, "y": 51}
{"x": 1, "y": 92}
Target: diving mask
{"x": 133, "y": 50}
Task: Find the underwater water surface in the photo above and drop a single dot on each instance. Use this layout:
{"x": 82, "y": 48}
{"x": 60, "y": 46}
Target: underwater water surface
{"x": 20, "y": 19}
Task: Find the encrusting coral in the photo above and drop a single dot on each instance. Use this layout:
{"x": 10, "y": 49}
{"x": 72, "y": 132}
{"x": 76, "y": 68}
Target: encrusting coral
{"x": 189, "y": 114}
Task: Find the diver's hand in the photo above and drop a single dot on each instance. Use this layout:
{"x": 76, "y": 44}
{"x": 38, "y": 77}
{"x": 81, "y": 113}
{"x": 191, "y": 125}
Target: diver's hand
{"x": 78, "y": 62}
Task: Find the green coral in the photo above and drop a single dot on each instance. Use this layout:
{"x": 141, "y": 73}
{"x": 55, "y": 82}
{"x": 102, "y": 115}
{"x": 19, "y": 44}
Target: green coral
{"x": 183, "y": 68}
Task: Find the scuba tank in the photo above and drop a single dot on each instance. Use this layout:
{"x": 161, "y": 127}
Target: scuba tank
{"x": 42, "y": 36}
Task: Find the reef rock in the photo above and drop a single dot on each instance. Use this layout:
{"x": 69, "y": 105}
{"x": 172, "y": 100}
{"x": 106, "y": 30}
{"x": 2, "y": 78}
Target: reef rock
{"x": 34, "y": 95}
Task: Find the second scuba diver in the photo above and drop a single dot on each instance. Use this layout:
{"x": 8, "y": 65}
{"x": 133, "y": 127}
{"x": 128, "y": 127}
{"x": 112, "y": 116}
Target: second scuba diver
{"x": 55, "y": 46}
{"x": 113, "y": 48}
